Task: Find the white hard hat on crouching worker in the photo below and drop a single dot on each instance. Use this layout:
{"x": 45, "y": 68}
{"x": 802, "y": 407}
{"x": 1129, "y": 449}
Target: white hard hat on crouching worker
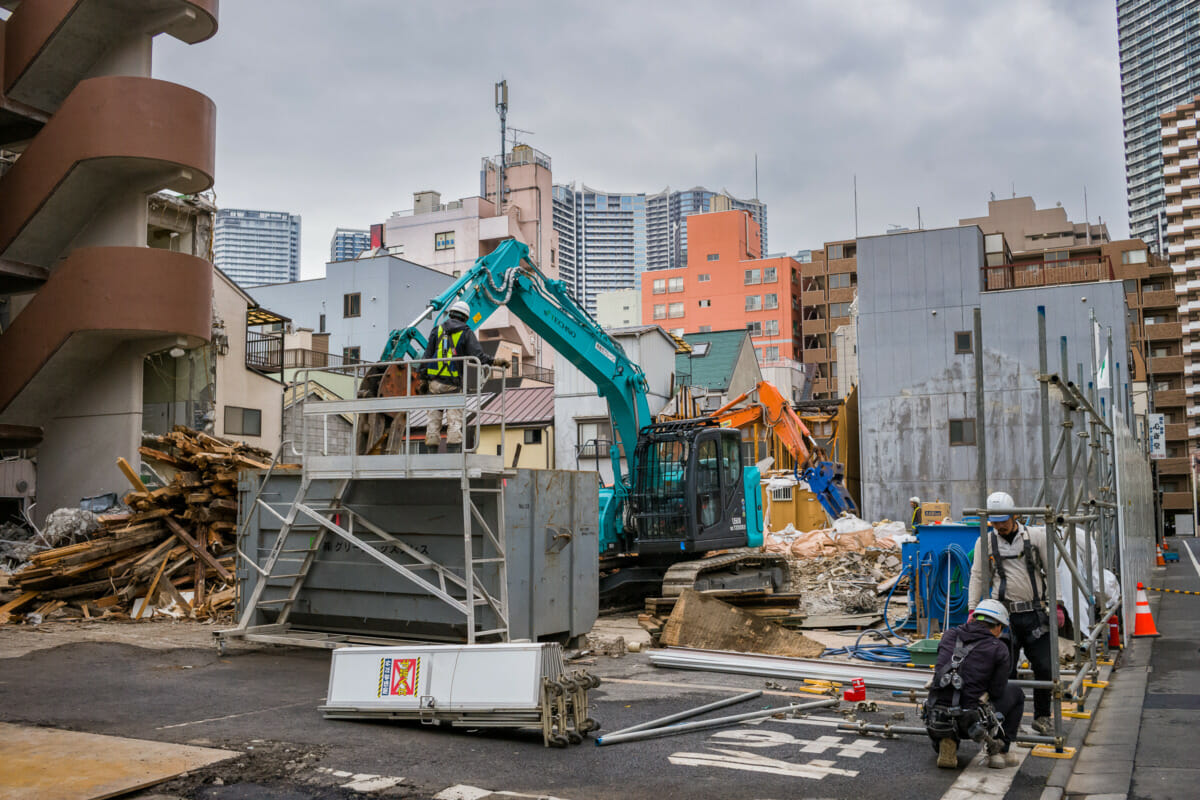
{"x": 914, "y": 500}
{"x": 1000, "y": 500}
{"x": 460, "y": 308}
{"x": 992, "y": 611}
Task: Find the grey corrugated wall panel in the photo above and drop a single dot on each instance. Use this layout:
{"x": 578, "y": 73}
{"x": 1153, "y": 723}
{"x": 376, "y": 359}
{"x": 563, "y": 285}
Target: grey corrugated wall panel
{"x": 553, "y": 590}
{"x": 912, "y": 381}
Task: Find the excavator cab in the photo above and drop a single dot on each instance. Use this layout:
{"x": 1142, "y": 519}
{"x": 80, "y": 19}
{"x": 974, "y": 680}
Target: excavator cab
{"x": 688, "y": 493}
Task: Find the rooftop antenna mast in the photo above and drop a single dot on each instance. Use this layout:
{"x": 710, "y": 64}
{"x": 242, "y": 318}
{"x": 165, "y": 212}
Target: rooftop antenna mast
{"x": 502, "y": 110}
{"x": 514, "y": 130}
{"x": 756, "y": 176}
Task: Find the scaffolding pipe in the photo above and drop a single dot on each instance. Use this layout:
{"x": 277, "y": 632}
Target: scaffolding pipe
{"x": 691, "y": 712}
{"x": 908, "y": 730}
{"x": 704, "y": 724}
{"x": 1051, "y": 582}
{"x": 985, "y": 563}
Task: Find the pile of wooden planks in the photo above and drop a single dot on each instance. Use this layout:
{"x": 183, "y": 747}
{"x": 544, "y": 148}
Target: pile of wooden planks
{"x": 175, "y": 550}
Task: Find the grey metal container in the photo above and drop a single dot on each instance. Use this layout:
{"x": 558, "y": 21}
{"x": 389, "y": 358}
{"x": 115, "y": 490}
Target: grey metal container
{"x": 551, "y": 553}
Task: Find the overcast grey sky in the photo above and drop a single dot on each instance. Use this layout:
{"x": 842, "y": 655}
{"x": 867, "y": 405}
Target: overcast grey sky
{"x": 340, "y": 111}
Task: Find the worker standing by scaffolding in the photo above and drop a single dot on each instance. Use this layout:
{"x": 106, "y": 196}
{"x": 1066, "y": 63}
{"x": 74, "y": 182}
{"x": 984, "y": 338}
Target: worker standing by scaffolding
{"x": 1018, "y": 559}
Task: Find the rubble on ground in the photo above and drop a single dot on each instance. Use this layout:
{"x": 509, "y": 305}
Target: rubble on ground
{"x": 837, "y": 570}
{"x": 18, "y": 543}
{"x": 172, "y": 554}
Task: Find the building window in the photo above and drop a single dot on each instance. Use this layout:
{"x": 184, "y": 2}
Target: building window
{"x": 660, "y": 286}
{"x": 755, "y": 328}
{"x": 676, "y": 331}
{"x": 675, "y": 311}
{"x": 703, "y": 277}
{"x": 675, "y": 285}
{"x": 962, "y": 432}
{"x": 352, "y": 305}
{"x": 772, "y": 354}
{"x": 443, "y": 240}
{"x": 754, "y": 302}
{"x": 351, "y": 355}
{"x": 706, "y": 328}
{"x": 962, "y": 342}
{"x": 1133, "y": 257}
{"x": 660, "y": 311}
{"x": 839, "y": 310}
{"x": 714, "y": 256}
{"x": 322, "y": 329}
{"x": 243, "y": 421}
{"x": 705, "y": 303}
{"x": 595, "y": 436}
{"x": 835, "y": 251}
{"x": 769, "y": 275}
{"x": 753, "y": 276}
{"x": 840, "y": 280}
{"x": 533, "y": 436}
{"x": 771, "y": 327}
{"x": 770, "y": 301}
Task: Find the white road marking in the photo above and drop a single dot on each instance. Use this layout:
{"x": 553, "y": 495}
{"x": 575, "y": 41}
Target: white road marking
{"x": 235, "y": 716}
{"x": 765, "y": 738}
{"x": 1192, "y": 556}
{"x": 371, "y": 783}
{"x": 983, "y": 783}
{"x": 462, "y": 792}
{"x": 753, "y": 762}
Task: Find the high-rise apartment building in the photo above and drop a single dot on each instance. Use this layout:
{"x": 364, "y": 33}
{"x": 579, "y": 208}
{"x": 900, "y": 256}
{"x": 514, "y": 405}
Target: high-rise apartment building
{"x": 728, "y": 285}
{"x": 347, "y": 243}
{"x": 608, "y": 240}
{"x": 1159, "y": 43}
{"x": 608, "y": 232}
{"x": 257, "y": 247}
{"x": 1180, "y": 151}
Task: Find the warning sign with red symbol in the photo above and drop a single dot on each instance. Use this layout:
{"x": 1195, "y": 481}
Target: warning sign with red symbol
{"x": 398, "y": 677}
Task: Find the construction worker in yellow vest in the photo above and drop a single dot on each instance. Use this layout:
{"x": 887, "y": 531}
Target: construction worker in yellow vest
{"x": 453, "y": 338}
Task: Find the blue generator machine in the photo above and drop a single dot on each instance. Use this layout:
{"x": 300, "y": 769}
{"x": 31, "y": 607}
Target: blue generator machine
{"x": 938, "y": 566}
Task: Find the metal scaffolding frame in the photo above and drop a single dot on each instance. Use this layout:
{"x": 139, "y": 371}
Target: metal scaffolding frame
{"x": 1083, "y": 496}
{"x": 384, "y": 417}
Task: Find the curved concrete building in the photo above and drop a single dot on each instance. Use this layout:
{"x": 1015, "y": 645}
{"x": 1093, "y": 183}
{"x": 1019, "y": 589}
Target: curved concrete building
{"x": 87, "y": 135}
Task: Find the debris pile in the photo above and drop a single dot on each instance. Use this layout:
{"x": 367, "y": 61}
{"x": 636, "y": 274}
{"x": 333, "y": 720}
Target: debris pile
{"x": 172, "y": 554}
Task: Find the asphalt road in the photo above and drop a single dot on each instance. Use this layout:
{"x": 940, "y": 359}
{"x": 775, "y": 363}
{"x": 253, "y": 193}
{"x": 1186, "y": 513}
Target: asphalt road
{"x": 263, "y": 703}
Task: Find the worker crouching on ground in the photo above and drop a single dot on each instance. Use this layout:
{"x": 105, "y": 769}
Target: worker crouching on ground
{"x": 973, "y": 659}
{"x": 1018, "y": 565}
{"x": 915, "y": 502}
{"x": 453, "y": 338}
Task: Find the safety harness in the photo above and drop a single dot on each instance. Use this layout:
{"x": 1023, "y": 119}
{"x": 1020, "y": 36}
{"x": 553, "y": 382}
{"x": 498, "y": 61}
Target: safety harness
{"x": 979, "y": 723}
{"x": 1033, "y": 565}
{"x": 445, "y": 368}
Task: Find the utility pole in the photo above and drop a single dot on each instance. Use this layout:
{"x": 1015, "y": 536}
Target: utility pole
{"x": 502, "y": 110}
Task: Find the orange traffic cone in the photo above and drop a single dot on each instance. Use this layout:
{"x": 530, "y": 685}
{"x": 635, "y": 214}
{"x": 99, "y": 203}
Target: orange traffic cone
{"x": 1143, "y": 622}
{"x": 1158, "y": 561}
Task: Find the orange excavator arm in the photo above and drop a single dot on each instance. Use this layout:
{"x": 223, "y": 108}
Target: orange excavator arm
{"x": 773, "y": 410}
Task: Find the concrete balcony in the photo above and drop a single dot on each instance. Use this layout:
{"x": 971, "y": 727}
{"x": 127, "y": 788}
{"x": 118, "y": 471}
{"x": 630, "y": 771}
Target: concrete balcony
{"x": 1177, "y": 432}
{"x": 1168, "y": 398}
{"x": 813, "y": 326}
{"x": 1173, "y": 150}
{"x": 1172, "y": 466}
{"x": 97, "y": 300}
{"x": 1164, "y": 331}
{"x": 1163, "y": 299}
{"x": 1177, "y": 501}
{"x": 110, "y": 136}
{"x": 1164, "y": 364}
{"x": 816, "y": 355}
{"x": 49, "y": 47}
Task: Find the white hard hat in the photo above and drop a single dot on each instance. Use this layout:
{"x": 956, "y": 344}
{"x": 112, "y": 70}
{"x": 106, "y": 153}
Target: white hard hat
{"x": 461, "y": 308}
{"x": 992, "y": 611}
{"x": 1000, "y": 500}
{"x": 914, "y": 500}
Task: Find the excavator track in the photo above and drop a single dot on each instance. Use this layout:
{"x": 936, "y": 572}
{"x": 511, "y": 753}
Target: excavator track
{"x": 746, "y": 569}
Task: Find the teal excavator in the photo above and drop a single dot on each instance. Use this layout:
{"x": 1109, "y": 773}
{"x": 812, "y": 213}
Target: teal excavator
{"x": 680, "y": 489}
